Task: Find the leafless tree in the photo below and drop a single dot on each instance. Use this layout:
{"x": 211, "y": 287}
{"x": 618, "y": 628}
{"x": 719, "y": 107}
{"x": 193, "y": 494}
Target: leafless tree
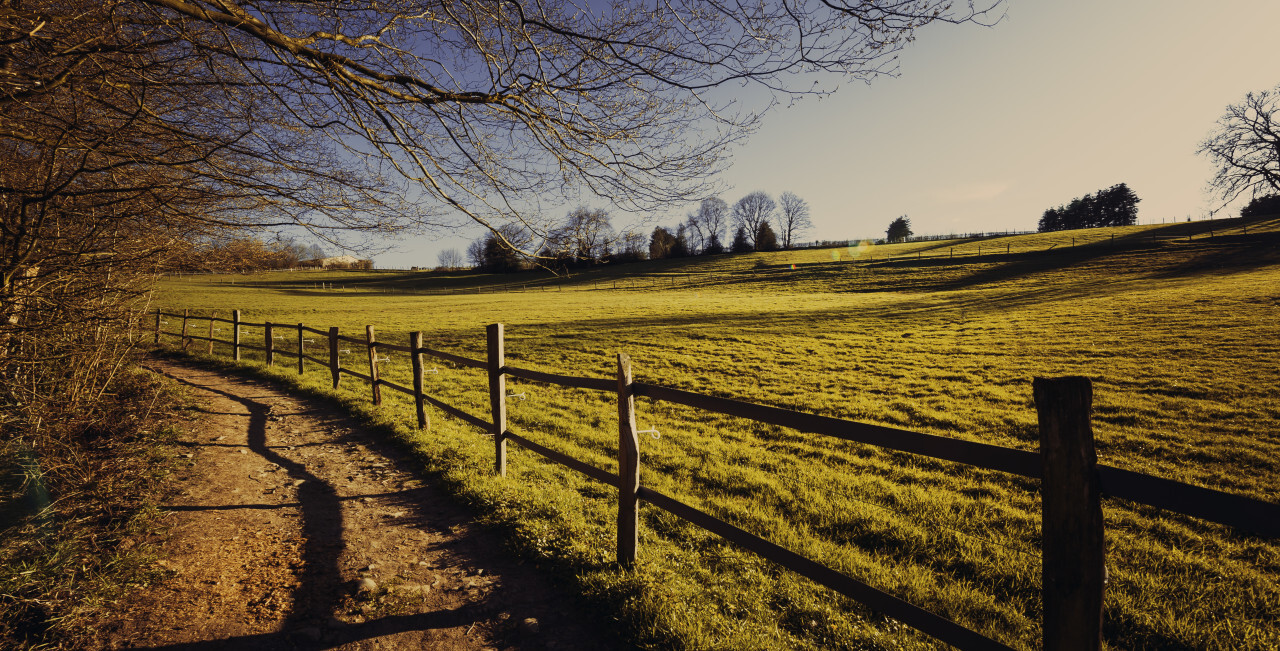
{"x": 481, "y": 105}
{"x": 502, "y": 251}
{"x": 706, "y": 226}
{"x": 1245, "y": 147}
{"x": 475, "y": 252}
{"x": 793, "y": 217}
{"x": 450, "y": 259}
{"x": 585, "y": 237}
{"x": 632, "y": 247}
{"x": 751, "y": 212}
{"x": 132, "y": 129}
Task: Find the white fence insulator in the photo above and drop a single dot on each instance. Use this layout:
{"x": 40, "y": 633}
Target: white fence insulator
{"x": 651, "y": 432}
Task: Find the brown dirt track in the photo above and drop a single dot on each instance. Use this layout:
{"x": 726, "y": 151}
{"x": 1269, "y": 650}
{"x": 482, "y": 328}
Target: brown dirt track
{"x": 282, "y": 505}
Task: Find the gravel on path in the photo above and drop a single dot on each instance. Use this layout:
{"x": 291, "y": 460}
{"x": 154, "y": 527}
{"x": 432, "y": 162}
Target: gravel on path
{"x": 290, "y": 528}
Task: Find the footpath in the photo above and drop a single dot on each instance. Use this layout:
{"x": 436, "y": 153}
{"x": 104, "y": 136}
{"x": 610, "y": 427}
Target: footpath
{"x": 290, "y": 528}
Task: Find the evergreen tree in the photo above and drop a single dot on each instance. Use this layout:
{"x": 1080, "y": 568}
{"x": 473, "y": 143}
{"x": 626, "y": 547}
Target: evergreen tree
{"x": 740, "y": 242}
{"x": 899, "y": 230}
{"x": 766, "y": 239}
{"x": 1114, "y": 206}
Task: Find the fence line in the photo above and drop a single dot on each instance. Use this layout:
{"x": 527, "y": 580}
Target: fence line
{"x": 1072, "y": 482}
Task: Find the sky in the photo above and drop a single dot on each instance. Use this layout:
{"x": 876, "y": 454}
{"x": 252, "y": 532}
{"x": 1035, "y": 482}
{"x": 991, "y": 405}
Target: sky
{"x": 986, "y": 127}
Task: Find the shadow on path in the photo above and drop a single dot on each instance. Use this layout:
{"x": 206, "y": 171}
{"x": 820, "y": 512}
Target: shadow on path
{"x": 320, "y": 585}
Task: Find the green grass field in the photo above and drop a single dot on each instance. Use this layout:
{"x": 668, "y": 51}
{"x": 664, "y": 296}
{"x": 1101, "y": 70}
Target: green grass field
{"x": 1180, "y": 335}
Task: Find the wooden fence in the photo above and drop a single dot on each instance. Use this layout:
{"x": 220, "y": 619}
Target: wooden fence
{"x": 1072, "y": 482}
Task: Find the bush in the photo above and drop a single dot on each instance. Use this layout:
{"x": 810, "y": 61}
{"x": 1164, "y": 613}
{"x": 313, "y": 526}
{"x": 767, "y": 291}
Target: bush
{"x": 75, "y": 487}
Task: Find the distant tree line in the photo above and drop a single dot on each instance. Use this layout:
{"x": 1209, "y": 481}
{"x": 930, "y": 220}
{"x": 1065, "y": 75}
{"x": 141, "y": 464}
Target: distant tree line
{"x": 245, "y": 253}
{"x": 587, "y": 237}
{"x": 1114, "y": 206}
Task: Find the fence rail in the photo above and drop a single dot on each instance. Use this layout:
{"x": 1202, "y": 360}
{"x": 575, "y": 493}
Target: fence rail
{"x": 1072, "y": 482}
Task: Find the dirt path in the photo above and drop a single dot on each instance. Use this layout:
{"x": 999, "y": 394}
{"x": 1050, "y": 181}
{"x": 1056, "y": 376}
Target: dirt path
{"x": 286, "y": 508}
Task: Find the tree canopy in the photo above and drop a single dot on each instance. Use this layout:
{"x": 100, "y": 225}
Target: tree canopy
{"x": 1114, "y": 206}
{"x": 1264, "y": 206}
{"x": 471, "y": 106}
{"x": 130, "y": 129}
{"x": 899, "y": 230}
{"x": 793, "y": 217}
{"x": 753, "y": 211}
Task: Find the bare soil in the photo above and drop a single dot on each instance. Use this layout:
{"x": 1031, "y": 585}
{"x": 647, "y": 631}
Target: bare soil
{"x": 282, "y": 507}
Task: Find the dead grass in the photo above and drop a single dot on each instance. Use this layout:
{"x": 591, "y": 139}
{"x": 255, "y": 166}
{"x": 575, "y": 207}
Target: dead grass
{"x": 78, "y": 517}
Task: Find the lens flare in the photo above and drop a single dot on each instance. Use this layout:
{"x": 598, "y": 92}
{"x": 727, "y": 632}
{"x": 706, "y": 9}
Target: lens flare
{"x": 860, "y": 249}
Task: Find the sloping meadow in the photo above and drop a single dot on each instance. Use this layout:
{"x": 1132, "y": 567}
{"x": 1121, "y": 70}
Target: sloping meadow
{"x": 1181, "y": 341}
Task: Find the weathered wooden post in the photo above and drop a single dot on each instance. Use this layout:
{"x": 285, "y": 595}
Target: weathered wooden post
{"x": 212, "y": 316}
{"x": 158, "y": 315}
{"x": 301, "y": 350}
{"x": 498, "y": 397}
{"x": 235, "y": 334}
{"x": 415, "y": 356}
{"x": 334, "y": 368}
{"x": 628, "y": 465}
{"x": 375, "y": 388}
{"x": 1074, "y": 551}
{"x": 271, "y": 343}
{"x": 186, "y": 341}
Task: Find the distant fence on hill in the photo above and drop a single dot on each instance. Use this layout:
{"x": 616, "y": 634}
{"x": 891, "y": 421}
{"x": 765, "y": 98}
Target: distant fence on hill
{"x": 978, "y": 248}
{"x": 1072, "y": 482}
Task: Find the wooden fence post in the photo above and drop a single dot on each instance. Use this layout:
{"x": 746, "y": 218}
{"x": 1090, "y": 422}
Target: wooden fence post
{"x": 628, "y": 465}
{"x": 301, "y": 350}
{"x": 158, "y": 315}
{"x": 212, "y": 316}
{"x": 415, "y": 356}
{"x": 185, "y": 340}
{"x": 235, "y": 334}
{"x": 268, "y": 334}
{"x": 498, "y": 397}
{"x": 333, "y": 356}
{"x": 1074, "y": 550}
{"x": 375, "y": 388}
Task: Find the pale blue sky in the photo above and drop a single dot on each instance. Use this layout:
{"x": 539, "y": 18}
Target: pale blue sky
{"x": 986, "y": 127}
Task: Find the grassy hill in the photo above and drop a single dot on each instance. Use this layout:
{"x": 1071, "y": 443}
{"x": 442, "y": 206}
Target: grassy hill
{"x": 1176, "y": 324}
